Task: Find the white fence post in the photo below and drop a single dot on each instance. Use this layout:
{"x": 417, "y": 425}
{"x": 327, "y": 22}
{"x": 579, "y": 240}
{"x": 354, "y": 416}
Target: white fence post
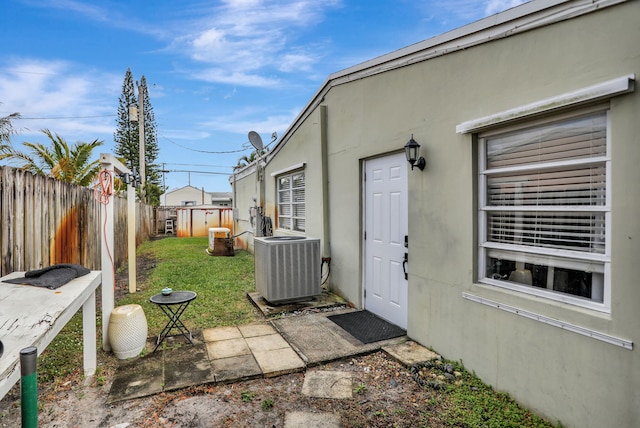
{"x": 111, "y": 164}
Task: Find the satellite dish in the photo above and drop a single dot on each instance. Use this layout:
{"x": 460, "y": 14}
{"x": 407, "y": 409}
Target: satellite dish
{"x": 255, "y": 140}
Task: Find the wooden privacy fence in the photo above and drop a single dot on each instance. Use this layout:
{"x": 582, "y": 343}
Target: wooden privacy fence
{"x": 46, "y": 221}
{"x": 162, "y": 215}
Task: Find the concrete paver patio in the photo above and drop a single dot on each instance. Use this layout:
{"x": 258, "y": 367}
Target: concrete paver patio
{"x": 226, "y": 354}
{"x": 230, "y": 354}
{"x": 271, "y": 348}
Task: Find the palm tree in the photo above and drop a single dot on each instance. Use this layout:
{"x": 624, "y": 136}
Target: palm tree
{"x": 59, "y": 161}
{"x": 6, "y": 128}
{"x": 244, "y": 161}
{"x": 248, "y": 160}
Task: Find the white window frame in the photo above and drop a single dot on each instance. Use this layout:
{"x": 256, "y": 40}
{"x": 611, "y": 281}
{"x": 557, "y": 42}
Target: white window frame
{"x": 582, "y": 261}
{"x": 291, "y": 202}
{"x": 571, "y": 100}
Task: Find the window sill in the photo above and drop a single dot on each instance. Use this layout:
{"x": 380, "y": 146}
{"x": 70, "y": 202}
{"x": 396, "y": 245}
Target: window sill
{"x": 481, "y": 290}
{"x": 565, "y": 300}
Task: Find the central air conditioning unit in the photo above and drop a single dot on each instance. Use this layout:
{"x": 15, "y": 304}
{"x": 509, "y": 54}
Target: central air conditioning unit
{"x": 287, "y": 268}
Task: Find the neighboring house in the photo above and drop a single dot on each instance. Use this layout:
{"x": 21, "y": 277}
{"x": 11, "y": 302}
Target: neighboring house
{"x": 222, "y": 199}
{"x": 522, "y": 231}
{"x": 189, "y": 196}
{"x": 189, "y": 211}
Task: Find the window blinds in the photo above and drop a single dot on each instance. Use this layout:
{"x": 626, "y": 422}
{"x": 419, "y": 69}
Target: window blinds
{"x": 546, "y": 186}
{"x": 291, "y": 202}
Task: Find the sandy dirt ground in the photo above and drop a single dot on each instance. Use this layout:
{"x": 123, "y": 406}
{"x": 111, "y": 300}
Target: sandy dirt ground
{"x": 384, "y": 395}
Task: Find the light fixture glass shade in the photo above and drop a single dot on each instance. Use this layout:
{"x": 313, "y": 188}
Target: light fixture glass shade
{"x": 412, "y": 150}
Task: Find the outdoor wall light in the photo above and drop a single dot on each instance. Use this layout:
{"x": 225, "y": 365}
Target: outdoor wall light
{"x": 133, "y": 178}
{"x": 412, "y": 151}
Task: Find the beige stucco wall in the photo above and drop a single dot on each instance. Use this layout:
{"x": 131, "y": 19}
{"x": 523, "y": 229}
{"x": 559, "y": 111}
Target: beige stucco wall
{"x": 177, "y": 197}
{"x": 303, "y": 148}
{"x": 244, "y": 192}
{"x": 302, "y": 152}
{"x": 561, "y": 375}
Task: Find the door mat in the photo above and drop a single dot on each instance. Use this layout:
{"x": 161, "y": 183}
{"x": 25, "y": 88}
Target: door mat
{"x": 366, "y": 327}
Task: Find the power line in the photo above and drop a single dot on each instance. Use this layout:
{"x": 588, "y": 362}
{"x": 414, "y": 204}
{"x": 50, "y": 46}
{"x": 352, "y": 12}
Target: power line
{"x": 202, "y": 151}
{"x": 64, "y": 117}
{"x": 197, "y": 172}
{"x": 195, "y": 164}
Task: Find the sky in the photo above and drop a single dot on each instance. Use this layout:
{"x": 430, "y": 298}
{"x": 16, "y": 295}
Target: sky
{"x": 215, "y": 70}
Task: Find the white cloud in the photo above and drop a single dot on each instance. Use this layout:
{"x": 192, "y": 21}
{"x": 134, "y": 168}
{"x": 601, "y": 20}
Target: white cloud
{"x": 252, "y": 37}
{"x": 184, "y": 134}
{"x": 221, "y": 75}
{"x": 295, "y": 61}
{"x": 242, "y": 121}
{"x": 230, "y": 95}
{"x": 115, "y": 15}
{"x": 76, "y": 104}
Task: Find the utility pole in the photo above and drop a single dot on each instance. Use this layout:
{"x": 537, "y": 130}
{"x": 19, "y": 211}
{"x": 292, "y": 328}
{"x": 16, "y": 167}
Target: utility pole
{"x": 164, "y": 170}
{"x": 143, "y": 174}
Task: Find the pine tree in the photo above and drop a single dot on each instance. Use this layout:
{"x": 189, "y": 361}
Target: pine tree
{"x": 127, "y": 136}
{"x": 152, "y": 169}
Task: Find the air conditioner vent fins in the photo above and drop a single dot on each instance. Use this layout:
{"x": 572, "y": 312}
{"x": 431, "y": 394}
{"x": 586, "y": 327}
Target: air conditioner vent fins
{"x": 287, "y": 268}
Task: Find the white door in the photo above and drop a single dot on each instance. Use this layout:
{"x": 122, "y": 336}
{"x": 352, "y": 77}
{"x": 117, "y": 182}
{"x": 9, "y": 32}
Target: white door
{"x": 386, "y": 218}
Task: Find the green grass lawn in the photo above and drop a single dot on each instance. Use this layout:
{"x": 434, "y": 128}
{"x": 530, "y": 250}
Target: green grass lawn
{"x": 222, "y": 284}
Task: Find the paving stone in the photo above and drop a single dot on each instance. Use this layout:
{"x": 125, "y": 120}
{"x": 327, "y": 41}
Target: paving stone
{"x": 327, "y": 384}
{"x": 229, "y": 354}
{"x": 253, "y": 330}
{"x": 266, "y": 343}
{"x": 311, "y": 420}
{"x": 234, "y": 369}
{"x": 187, "y": 366}
{"x": 309, "y": 336}
{"x": 138, "y": 378}
{"x": 221, "y": 333}
{"x": 277, "y": 362}
{"x": 227, "y": 348}
{"x": 410, "y": 353}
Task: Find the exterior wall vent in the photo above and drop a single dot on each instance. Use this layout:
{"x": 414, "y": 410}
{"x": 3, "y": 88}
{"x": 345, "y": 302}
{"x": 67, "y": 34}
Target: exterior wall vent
{"x": 287, "y": 268}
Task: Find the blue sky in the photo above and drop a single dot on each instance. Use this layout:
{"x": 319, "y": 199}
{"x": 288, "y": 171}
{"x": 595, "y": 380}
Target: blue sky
{"x": 215, "y": 69}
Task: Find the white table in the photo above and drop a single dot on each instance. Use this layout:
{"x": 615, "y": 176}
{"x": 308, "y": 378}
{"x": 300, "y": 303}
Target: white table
{"x": 33, "y": 316}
